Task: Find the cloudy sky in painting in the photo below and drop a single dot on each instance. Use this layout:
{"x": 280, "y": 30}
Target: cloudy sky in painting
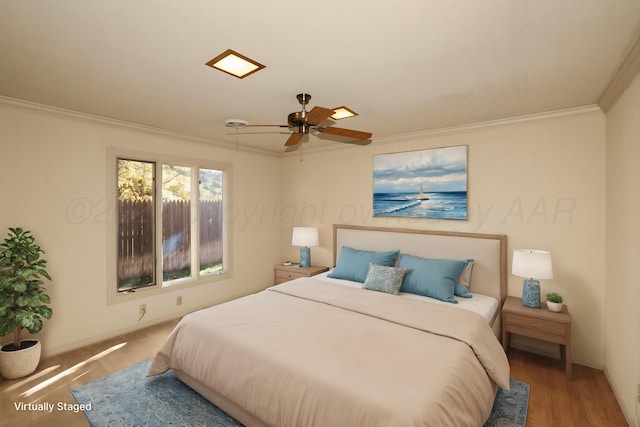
{"x": 441, "y": 169}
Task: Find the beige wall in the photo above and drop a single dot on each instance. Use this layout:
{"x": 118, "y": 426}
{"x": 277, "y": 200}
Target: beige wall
{"x": 53, "y": 181}
{"x": 622, "y": 320}
{"x": 540, "y": 182}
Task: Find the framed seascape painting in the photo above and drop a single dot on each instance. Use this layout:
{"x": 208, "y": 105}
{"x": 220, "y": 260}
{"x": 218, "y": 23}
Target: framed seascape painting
{"x": 421, "y": 184}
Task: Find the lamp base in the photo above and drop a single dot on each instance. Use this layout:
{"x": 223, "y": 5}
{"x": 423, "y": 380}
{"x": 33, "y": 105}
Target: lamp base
{"x": 305, "y": 257}
{"x": 531, "y": 293}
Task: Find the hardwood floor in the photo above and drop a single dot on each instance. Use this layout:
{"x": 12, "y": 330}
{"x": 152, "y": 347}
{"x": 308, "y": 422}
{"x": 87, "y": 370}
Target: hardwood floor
{"x": 57, "y": 375}
{"x": 586, "y": 401}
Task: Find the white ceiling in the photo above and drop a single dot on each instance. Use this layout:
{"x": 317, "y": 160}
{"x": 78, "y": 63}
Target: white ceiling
{"x": 403, "y": 66}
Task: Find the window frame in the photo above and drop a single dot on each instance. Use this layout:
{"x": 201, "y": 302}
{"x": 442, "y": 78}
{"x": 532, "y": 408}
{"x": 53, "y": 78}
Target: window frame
{"x": 160, "y": 287}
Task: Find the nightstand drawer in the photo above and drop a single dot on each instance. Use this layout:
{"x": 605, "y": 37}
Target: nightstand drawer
{"x": 285, "y": 276}
{"x": 284, "y": 273}
{"x": 532, "y": 324}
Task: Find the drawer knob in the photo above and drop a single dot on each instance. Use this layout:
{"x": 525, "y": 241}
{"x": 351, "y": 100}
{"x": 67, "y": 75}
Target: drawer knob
{"x": 533, "y": 325}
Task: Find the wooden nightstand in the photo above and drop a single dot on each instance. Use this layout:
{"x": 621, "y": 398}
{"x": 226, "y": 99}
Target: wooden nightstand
{"x": 538, "y": 323}
{"x": 284, "y": 273}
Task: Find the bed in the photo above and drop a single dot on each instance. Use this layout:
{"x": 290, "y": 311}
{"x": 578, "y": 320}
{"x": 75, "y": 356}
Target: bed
{"x": 322, "y": 351}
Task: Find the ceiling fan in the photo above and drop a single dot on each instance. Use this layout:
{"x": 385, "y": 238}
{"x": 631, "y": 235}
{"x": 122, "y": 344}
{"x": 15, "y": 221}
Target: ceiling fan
{"x": 301, "y": 122}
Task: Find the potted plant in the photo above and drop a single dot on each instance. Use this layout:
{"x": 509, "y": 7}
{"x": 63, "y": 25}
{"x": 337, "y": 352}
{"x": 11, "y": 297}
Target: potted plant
{"x": 554, "y": 302}
{"x": 23, "y": 302}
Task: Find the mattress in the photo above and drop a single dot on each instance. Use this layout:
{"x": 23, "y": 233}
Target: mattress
{"x": 484, "y": 305}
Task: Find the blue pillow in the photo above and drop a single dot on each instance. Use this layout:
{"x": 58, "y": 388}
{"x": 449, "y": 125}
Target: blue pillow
{"x": 461, "y": 291}
{"x": 353, "y": 264}
{"x": 435, "y": 278}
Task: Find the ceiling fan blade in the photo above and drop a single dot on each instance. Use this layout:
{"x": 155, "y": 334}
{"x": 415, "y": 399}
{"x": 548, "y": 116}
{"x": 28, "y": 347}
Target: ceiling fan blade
{"x": 317, "y": 115}
{"x": 349, "y": 133}
{"x": 294, "y": 139}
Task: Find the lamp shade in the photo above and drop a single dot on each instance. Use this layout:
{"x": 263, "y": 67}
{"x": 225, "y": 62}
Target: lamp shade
{"x": 305, "y": 236}
{"x": 532, "y": 263}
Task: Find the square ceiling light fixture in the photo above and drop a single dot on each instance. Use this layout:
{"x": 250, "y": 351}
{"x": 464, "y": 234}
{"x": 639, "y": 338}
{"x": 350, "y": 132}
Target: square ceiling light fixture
{"x": 236, "y": 64}
{"x": 343, "y": 113}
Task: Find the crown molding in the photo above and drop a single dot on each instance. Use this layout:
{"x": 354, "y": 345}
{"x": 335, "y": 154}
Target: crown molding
{"x": 19, "y": 104}
{"x": 622, "y": 79}
{"x": 568, "y": 113}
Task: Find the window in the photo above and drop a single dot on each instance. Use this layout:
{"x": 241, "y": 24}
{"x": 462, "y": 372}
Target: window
{"x": 210, "y": 221}
{"x": 176, "y": 222}
{"x": 169, "y": 225}
{"x": 135, "y": 213}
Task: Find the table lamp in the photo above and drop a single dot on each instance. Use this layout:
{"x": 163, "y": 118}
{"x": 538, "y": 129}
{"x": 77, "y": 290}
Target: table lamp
{"x": 532, "y": 264}
{"x": 305, "y": 237}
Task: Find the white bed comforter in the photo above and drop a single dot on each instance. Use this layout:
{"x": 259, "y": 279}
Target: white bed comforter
{"x": 311, "y": 353}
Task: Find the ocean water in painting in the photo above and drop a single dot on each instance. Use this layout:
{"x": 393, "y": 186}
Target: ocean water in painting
{"x": 443, "y": 205}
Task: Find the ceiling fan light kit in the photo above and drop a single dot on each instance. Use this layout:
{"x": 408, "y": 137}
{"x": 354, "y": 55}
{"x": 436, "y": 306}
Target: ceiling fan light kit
{"x": 343, "y": 113}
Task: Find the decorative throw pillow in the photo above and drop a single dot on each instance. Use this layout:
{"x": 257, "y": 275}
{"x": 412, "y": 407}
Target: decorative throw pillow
{"x": 465, "y": 274}
{"x": 353, "y": 264}
{"x": 384, "y": 279}
{"x": 462, "y": 285}
{"x": 435, "y": 278}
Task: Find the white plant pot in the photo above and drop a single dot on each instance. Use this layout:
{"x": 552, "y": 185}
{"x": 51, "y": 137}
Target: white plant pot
{"x": 20, "y": 363}
{"x": 554, "y": 306}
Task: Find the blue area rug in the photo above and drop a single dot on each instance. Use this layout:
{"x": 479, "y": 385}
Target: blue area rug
{"x": 510, "y": 408}
{"x": 130, "y": 398}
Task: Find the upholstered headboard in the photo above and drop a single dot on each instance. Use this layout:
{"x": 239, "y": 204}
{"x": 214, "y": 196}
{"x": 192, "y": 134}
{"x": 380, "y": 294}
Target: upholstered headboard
{"x": 489, "y": 251}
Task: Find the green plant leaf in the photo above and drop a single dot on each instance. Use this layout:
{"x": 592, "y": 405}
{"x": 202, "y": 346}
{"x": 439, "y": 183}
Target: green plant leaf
{"x": 25, "y": 272}
{"x": 34, "y": 325}
{"x": 45, "y": 311}
{"x": 19, "y": 285}
{"x": 7, "y": 326}
{"x": 28, "y": 300}
{"x": 44, "y": 298}
{"x": 6, "y": 300}
{"x": 6, "y": 281}
{"x": 29, "y": 320}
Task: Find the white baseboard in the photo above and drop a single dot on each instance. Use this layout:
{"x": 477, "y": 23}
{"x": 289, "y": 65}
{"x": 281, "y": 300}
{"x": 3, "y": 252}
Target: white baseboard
{"x": 52, "y": 350}
{"x": 629, "y": 413}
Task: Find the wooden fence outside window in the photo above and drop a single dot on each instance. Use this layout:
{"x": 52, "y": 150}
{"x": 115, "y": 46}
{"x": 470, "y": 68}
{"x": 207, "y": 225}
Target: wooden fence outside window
{"x": 136, "y": 236}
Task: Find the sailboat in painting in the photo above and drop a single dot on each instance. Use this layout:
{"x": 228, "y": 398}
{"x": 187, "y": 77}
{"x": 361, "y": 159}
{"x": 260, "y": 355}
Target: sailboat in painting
{"x": 421, "y": 196}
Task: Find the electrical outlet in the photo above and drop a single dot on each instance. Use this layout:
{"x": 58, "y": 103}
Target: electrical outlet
{"x": 179, "y": 300}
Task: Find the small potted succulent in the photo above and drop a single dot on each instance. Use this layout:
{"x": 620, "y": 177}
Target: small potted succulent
{"x": 23, "y": 302}
{"x": 554, "y": 302}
